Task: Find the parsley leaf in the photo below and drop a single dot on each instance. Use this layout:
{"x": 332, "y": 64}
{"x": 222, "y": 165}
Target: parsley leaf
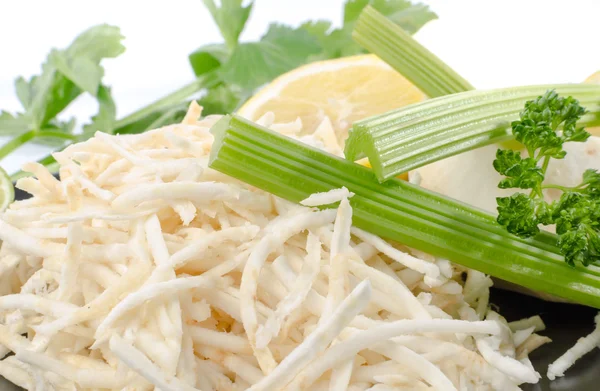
{"x": 80, "y": 70}
{"x": 80, "y": 62}
{"x": 46, "y": 95}
{"x": 411, "y": 18}
{"x": 591, "y": 183}
{"x": 208, "y": 58}
{"x": 545, "y": 125}
{"x": 518, "y": 214}
{"x": 227, "y": 73}
{"x": 262, "y": 62}
{"x": 65, "y": 75}
{"x": 221, "y": 99}
{"x": 577, "y": 219}
{"x": 580, "y": 245}
{"x": 231, "y": 18}
{"x": 318, "y": 29}
{"x": 299, "y": 43}
{"x": 246, "y": 66}
{"x": 353, "y": 8}
{"x": 521, "y": 173}
{"x": 521, "y": 214}
{"x": 543, "y": 118}
{"x": 337, "y": 43}
{"x": 12, "y": 124}
{"x": 106, "y": 118}
{"x": 281, "y": 49}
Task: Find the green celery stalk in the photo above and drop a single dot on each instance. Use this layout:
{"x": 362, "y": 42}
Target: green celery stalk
{"x": 391, "y": 43}
{"x": 399, "y": 211}
{"x": 425, "y": 132}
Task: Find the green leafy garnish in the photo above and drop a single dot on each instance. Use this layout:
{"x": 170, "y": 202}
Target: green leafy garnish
{"x": 280, "y": 50}
{"x": 66, "y": 75}
{"x": 221, "y": 99}
{"x": 227, "y": 73}
{"x": 243, "y": 67}
{"x": 230, "y": 17}
{"x": 545, "y": 125}
{"x": 521, "y": 173}
{"x": 208, "y": 58}
{"x": 106, "y": 118}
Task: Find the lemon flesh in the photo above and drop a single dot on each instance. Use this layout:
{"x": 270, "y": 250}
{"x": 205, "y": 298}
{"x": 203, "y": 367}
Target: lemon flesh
{"x": 345, "y": 90}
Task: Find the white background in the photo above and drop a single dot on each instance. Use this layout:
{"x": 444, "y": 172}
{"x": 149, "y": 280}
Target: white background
{"x": 493, "y": 43}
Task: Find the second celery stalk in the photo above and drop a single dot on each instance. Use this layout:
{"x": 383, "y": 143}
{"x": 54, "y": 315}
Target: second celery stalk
{"x": 399, "y": 211}
{"x": 422, "y": 133}
{"x": 454, "y": 121}
{"x": 401, "y": 51}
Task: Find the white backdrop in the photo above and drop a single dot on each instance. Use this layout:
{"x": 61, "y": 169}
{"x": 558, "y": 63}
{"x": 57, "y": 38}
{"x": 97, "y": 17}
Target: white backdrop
{"x": 493, "y": 43}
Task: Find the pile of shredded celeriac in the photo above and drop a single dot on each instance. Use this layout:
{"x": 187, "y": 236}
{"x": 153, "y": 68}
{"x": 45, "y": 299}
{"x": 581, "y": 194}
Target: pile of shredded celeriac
{"x": 144, "y": 269}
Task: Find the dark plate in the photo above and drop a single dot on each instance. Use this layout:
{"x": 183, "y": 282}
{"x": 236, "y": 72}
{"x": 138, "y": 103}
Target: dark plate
{"x": 565, "y": 324}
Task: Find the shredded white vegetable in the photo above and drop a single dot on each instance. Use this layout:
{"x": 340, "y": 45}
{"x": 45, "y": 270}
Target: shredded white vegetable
{"x": 535, "y": 321}
{"x": 144, "y": 269}
{"x": 506, "y": 364}
{"x": 318, "y": 340}
{"x": 326, "y": 198}
{"x": 583, "y": 346}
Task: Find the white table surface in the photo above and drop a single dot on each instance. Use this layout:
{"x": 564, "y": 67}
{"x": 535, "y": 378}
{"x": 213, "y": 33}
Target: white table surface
{"x": 493, "y": 43}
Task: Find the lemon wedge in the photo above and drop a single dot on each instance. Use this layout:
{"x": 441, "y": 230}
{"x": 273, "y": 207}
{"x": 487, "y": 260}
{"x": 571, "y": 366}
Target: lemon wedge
{"x": 593, "y": 79}
{"x": 345, "y": 90}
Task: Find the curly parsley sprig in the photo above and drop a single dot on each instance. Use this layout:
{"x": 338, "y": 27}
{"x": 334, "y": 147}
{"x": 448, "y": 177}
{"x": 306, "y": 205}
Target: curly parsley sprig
{"x": 545, "y": 125}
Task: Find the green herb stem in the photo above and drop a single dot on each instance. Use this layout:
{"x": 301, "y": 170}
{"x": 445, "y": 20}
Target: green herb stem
{"x": 400, "y": 211}
{"x": 25, "y": 137}
{"x": 391, "y": 43}
{"x": 425, "y": 132}
{"x": 47, "y": 160}
{"x": 205, "y": 81}
{"x": 55, "y": 134}
{"x": 545, "y": 164}
{"x": 16, "y": 143}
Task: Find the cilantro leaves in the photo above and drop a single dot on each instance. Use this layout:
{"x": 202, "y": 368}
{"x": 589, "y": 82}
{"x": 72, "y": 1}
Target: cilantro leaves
{"x": 545, "y": 125}
{"x": 227, "y": 73}
{"x": 106, "y": 118}
{"x": 66, "y": 75}
{"x": 243, "y": 67}
{"x": 230, "y": 17}
{"x": 281, "y": 49}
